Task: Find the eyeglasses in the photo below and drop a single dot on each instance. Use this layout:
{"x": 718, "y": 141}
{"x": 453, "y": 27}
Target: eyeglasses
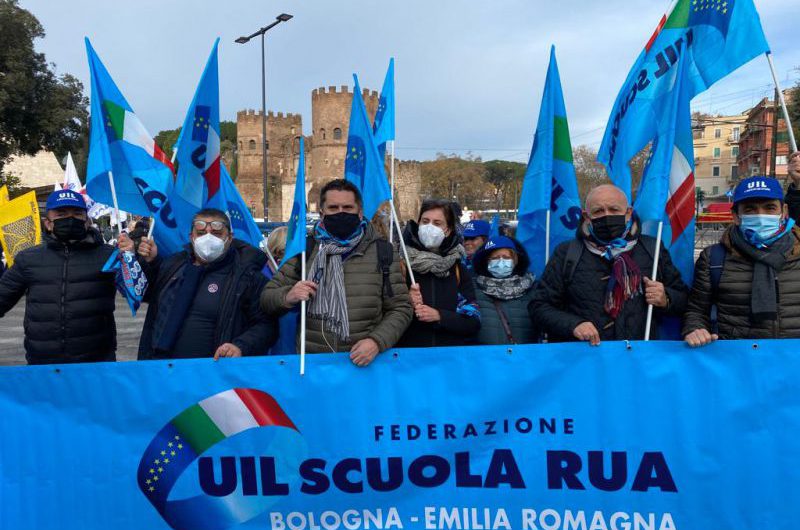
{"x": 216, "y": 226}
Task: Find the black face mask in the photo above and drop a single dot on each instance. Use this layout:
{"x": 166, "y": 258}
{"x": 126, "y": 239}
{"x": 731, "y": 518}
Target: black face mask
{"x": 69, "y": 229}
{"x": 341, "y": 225}
{"x": 609, "y": 227}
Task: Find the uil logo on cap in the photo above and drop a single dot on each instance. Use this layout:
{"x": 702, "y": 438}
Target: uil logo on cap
{"x": 757, "y": 185}
{"x": 490, "y": 244}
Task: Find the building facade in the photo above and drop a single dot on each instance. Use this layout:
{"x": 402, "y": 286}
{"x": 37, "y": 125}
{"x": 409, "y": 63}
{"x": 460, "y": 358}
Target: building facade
{"x": 716, "y": 151}
{"x": 755, "y": 149}
{"x": 325, "y": 150}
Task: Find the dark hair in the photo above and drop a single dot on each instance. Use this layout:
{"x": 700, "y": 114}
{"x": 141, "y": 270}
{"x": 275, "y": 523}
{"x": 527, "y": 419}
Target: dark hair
{"x": 339, "y": 185}
{"x": 214, "y": 213}
{"x": 445, "y": 206}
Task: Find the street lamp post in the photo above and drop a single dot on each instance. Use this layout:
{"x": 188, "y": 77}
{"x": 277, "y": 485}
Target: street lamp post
{"x": 283, "y": 17}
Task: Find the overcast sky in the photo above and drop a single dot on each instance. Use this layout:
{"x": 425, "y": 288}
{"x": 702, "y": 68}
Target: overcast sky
{"x": 469, "y": 74}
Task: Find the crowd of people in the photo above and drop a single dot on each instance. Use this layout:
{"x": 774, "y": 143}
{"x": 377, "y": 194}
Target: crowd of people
{"x": 221, "y": 297}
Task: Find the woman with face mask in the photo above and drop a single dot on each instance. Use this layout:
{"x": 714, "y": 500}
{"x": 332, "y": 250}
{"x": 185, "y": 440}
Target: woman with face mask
{"x": 445, "y": 310}
{"x": 505, "y": 287}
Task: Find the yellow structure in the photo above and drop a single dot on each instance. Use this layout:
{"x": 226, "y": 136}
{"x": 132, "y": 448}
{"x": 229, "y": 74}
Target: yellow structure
{"x": 716, "y": 148}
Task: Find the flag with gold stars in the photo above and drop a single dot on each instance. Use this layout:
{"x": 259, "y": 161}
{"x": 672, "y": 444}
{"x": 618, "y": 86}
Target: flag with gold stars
{"x": 716, "y": 37}
{"x": 296, "y": 238}
{"x": 363, "y": 165}
{"x": 383, "y": 125}
{"x": 120, "y": 146}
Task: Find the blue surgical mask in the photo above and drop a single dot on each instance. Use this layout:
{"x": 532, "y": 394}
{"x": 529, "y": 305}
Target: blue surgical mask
{"x": 759, "y": 228}
{"x": 501, "y": 267}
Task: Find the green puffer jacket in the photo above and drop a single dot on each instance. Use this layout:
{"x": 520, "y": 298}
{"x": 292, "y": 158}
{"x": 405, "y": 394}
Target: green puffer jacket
{"x": 734, "y": 292}
{"x": 371, "y": 314}
{"x": 516, "y": 311}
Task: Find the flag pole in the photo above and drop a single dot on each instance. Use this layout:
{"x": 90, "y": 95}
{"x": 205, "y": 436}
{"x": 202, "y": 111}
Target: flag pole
{"x": 792, "y": 140}
{"x": 547, "y": 237}
{"x": 303, "y": 317}
{"x": 391, "y": 195}
{"x": 114, "y": 199}
{"x": 653, "y": 277}
{"x": 402, "y": 243}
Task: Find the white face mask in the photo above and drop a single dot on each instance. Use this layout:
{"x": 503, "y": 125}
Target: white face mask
{"x": 208, "y": 247}
{"x": 431, "y": 236}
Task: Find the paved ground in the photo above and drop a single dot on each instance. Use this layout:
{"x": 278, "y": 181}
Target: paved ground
{"x": 128, "y": 331}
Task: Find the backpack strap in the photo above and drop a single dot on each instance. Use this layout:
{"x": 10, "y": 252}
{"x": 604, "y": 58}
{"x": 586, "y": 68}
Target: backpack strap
{"x": 716, "y": 266}
{"x": 504, "y": 321}
{"x": 385, "y": 257}
{"x": 574, "y": 251}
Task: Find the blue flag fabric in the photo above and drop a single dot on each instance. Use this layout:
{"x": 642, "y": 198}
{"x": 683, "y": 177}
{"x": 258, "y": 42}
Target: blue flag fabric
{"x": 666, "y": 192}
{"x": 296, "y": 238}
{"x": 129, "y": 279}
{"x": 549, "y": 183}
{"x": 384, "y": 118}
{"x": 119, "y": 144}
{"x": 363, "y": 165}
{"x": 717, "y": 36}
{"x": 494, "y": 229}
{"x": 203, "y": 181}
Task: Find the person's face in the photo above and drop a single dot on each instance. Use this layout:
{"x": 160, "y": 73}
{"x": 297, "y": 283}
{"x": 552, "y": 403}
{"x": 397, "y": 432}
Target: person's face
{"x": 503, "y": 253}
{"x": 472, "y": 244}
{"x": 60, "y": 213}
{"x": 210, "y": 225}
{"x": 338, "y": 201}
{"x": 437, "y": 218}
{"x": 759, "y": 207}
{"x": 607, "y": 200}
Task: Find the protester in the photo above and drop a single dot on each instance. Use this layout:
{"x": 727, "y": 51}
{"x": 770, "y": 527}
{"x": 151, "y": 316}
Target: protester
{"x": 69, "y": 302}
{"x": 357, "y": 300}
{"x": 504, "y": 290}
{"x": 793, "y": 191}
{"x": 445, "y": 310}
{"x": 287, "y": 324}
{"x": 752, "y": 276}
{"x": 596, "y": 287}
{"x": 476, "y": 232}
{"x": 276, "y": 245}
{"x": 140, "y": 231}
{"x": 203, "y": 301}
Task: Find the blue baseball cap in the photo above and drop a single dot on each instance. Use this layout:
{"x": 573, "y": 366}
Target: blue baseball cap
{"x": 481, "y": 259}
{"x": 65, "y": 199}
{"x": 758, "y": 188}
{"x": 477, "y": 228}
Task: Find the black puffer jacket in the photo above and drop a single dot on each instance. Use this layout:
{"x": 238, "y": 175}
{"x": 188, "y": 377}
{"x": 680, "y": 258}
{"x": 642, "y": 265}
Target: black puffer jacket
{"x": 734, "y": 293}
{"x": 456, "y": 327}
{"x": 560, "y": 304}
{"x": 69, "y": 309}
{"x": 241, "y": 321}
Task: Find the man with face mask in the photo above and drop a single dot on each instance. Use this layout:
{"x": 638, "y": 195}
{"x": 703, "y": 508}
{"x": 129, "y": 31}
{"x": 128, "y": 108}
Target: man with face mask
{"x": 596, "y": 287}
{"x": 357, "y": 301}
{"x": 752, "y": 276}
{"x": 69, "y": 301}
{"x": 203, "y": 301}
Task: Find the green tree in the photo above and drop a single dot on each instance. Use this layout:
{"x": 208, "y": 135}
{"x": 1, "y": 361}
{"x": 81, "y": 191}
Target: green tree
{"x": 38, "y": 109}
{"x": 793, "y": 106}
{"x": 504, "y": 179}
{"x": 455, "y": 178}
{"x": 13, "y": 183}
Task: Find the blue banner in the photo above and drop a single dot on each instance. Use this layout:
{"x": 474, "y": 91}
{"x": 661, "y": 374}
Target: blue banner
{"x": 650, "y": 436}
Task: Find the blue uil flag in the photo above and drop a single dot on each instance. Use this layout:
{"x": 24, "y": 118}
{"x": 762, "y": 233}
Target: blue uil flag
{"x": 363, "y": 165}
{"x": 384, "y": 116}
{"x": 296, "y": 238}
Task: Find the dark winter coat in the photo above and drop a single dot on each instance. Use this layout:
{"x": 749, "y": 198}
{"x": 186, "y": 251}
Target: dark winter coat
{"x": 69, "y": 305}
{"x": 733, "y": 296}
{"x": 443, "y": 294}
{"x": 560, "y": 304}
{"x": 515, "y": 310}
{"x": 372, "y": 314}
{"x": 241, "y": 322}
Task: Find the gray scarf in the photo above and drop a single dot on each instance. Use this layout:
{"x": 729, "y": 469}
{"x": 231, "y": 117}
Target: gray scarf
{"x": 767, "y": 263}
{"x": 330, "y": 304}
{"x": 505, "y": 288}
{"x": 423, "y": 262}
